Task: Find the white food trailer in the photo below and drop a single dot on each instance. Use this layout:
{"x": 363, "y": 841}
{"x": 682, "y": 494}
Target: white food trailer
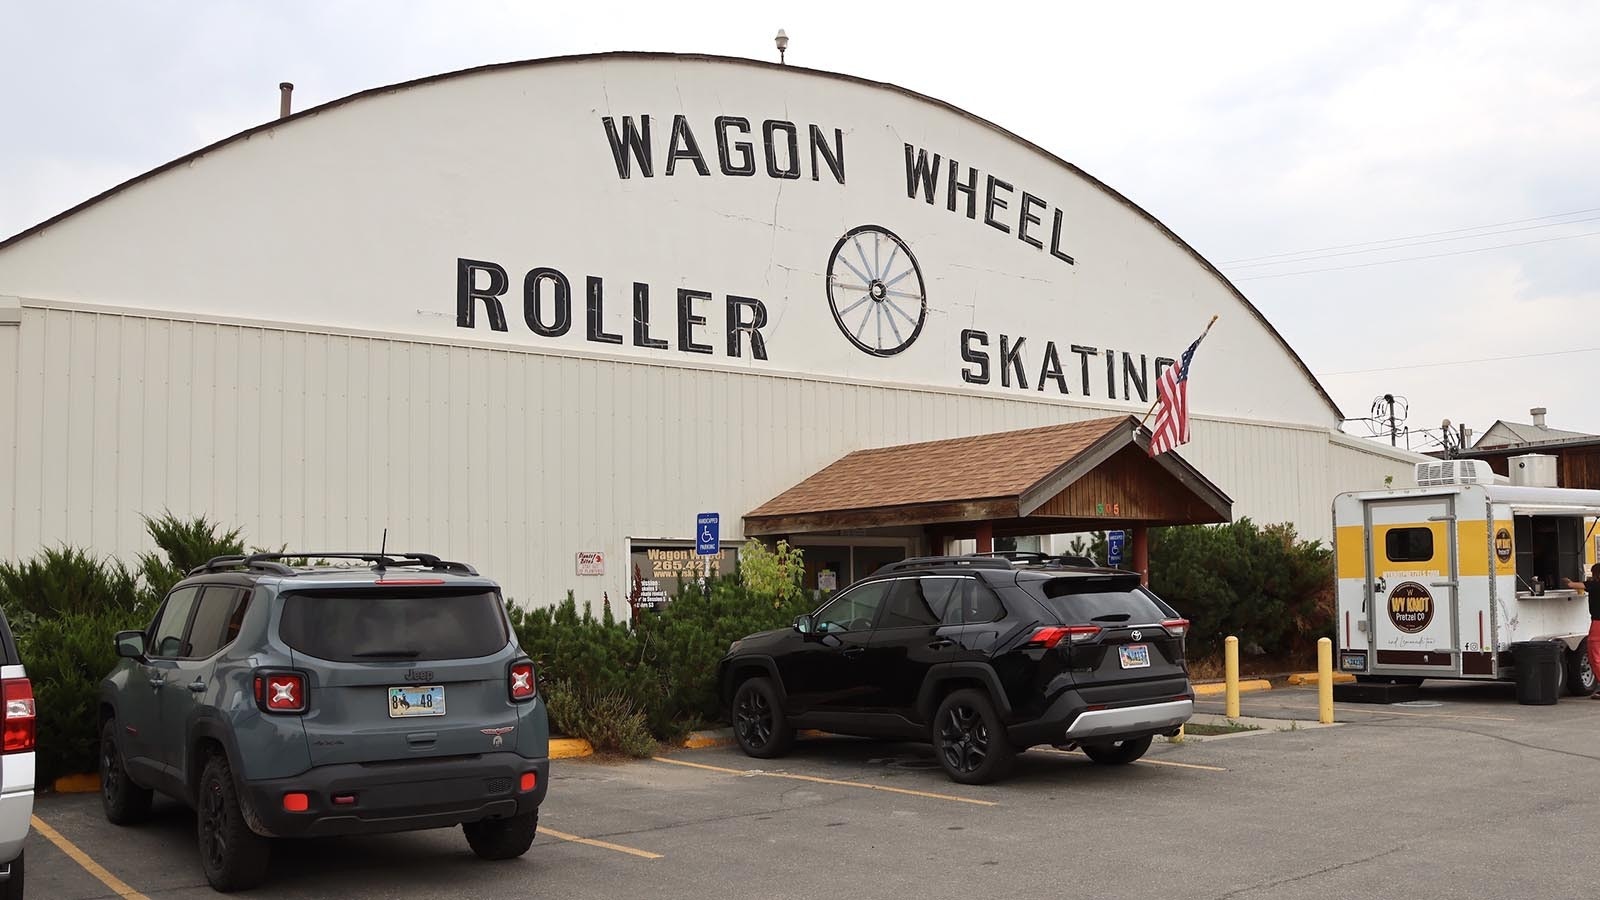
{"x": 1443, "y": 580}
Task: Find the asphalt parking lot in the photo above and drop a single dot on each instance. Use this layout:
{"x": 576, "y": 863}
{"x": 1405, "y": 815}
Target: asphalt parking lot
{"x": 1463, "y": 794}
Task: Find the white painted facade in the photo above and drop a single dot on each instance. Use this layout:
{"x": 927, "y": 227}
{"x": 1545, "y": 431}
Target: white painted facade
{"x": 271, "y": 332}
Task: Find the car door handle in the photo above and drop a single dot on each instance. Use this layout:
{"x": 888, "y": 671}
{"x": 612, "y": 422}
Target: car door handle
{"x": 852, "y": 652}
{"x": 157, "y": 682}
{"x": 197, "y": 686}
{"x": 941, "y": 644}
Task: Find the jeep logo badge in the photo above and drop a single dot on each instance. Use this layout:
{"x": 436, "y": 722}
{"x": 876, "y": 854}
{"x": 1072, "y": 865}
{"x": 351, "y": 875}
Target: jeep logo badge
{"x": 419, "y": 675}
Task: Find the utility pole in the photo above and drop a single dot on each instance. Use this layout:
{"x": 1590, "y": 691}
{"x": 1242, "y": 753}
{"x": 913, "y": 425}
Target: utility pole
{"x": 1394, "y": 433}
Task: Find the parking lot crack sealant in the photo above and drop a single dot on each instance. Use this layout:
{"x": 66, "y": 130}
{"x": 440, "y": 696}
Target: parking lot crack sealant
{"x": 1269, "y": 885}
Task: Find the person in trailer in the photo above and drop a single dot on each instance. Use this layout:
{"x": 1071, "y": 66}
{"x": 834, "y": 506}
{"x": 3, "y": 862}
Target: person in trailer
{"x": 1592, "y": 588}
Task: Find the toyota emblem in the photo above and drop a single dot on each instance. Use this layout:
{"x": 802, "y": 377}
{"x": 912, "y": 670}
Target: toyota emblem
{"x": 1137, "y": 634}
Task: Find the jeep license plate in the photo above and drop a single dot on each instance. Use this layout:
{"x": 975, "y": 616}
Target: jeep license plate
{"x": 424, "y": 700}
{"x": 1134, "y": 656}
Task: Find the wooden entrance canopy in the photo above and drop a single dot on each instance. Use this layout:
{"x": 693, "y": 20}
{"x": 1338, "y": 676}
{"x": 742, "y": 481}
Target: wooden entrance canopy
{"x": 1079, "y": 476}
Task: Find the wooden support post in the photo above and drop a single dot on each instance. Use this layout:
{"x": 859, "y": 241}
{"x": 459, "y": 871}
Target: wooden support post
{"x": 985, "y": 537}
{"x": 1141, "y": 553}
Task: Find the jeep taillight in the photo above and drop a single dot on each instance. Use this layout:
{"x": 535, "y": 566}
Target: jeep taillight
{"x": 281, "y": 692}
{"x": 1049, "y": 637}
{"x": 520, "y": 681}
{"x": 20, "y": 733}
{"x": 1176, "y": 627}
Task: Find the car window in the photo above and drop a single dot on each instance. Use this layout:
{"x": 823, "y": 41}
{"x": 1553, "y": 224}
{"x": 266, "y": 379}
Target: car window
{"x": 1078, "y": 601}
{"x": 368, "y": 624}
{"x": 908, "y": 605}
{"x": 210, "y": 630}
{"x": 167, "y": 635}
{"x": 979, "y": 604}
{"x": 854, "y": 609}
{"x": 943, "y": 593}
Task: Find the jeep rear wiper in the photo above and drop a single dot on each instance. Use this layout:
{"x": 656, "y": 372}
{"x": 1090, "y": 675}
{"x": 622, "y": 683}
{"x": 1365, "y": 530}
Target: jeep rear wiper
{"x": 391, "y": 654}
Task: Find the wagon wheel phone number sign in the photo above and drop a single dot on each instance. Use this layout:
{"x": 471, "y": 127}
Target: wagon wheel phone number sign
{"x": 1410, "y": 607}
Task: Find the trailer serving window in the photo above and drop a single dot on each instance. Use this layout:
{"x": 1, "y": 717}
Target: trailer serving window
{"x": 1549, "y": 548}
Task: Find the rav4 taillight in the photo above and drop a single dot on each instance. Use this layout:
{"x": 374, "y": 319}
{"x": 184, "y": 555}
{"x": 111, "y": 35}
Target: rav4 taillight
{"x": 1049, "y": 637}
{"x": 281, "y": 692}
{"x": 520, "y": 681}
{"x": 20, "y": 733}
{"x": 1176, "y": 627}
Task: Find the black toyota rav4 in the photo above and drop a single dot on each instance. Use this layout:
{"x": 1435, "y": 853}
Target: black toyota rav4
{"x": 982, "y": 656}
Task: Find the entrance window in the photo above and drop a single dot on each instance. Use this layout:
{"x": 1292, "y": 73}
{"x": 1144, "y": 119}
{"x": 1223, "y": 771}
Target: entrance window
{"x": 871, "y": 559}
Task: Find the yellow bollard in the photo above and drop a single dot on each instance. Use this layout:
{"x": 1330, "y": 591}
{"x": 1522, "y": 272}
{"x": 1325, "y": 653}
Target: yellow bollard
{"x": 1230, "y": 661}
{"x": 1325, "y": 681}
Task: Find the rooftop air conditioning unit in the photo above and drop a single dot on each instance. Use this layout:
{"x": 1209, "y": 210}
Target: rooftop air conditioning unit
{"x": 1533, "y": 470}
{"x": 1454, "y": 471}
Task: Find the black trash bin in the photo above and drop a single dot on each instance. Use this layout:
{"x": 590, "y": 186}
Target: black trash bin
{"x": 1538, "y": 671}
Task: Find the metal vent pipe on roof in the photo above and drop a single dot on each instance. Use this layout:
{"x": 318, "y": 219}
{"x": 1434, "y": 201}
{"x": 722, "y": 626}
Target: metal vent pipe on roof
{"x": 1538, "y": 413}
{"x": 285, "y": 91}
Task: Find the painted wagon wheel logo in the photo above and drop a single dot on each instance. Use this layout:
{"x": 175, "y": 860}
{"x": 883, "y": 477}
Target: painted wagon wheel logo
{"x": 875, "y": 290}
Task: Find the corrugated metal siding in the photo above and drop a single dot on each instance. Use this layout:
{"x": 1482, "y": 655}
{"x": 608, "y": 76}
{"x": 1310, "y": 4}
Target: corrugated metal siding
{"x": 512, "y": 460}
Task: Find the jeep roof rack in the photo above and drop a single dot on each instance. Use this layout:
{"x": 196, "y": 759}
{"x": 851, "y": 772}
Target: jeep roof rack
{"x": 928, "y": 562}
{"x": 273, "y": 562}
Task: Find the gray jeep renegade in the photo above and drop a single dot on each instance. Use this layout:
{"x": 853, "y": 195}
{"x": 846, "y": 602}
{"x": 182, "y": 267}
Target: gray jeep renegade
{"x": 386, "y": 694}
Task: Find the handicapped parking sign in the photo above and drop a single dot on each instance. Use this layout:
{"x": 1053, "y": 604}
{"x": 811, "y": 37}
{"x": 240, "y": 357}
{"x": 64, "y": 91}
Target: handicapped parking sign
{"x": 1114, "y": 543}
{"x": 707, "y": 534}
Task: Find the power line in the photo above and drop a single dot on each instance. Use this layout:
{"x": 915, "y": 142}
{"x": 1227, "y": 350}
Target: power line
{"x": 1409, "y": 237}
{"x": 1387, "y": 262}
{"x": 1443, "y": 240}
{"x": 1461, "y": 362}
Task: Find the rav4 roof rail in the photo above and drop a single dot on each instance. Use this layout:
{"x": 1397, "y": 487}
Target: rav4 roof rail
{"x": 1017, "y": 555}
{"x": 1033, "y": 557}
{"x": 965, "y": 562}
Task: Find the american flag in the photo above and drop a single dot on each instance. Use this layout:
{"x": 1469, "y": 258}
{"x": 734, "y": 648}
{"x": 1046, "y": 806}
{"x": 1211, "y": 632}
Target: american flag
{"x": 1172, "y": 396}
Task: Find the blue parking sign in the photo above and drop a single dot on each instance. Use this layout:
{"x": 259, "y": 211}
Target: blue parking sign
{"x": 708, "y": 534}
{"x": 1114, "y": 543}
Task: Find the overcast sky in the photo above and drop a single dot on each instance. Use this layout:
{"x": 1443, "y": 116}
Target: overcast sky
{"x": 1252, "y": 130}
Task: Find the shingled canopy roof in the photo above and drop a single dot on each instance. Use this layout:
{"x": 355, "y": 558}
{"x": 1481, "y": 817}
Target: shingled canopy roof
{"x": 1056, "y": 479}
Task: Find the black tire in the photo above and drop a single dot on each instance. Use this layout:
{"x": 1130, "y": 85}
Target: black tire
{"x": 502, "y": 838}
{"x": 124, "y": 802}
{"x": 1581, "y": 678}
{"x": 1117, "y": 753}
{"x": 759, "y": 725}
{"x": 12, "y": 888}
{"x": 234, "y": 857}
{"x": 970, "y": 740}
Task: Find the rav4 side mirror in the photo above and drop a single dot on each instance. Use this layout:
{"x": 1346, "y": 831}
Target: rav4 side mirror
{"x": 802, "y": 624}
{"x": 130, "y": 644}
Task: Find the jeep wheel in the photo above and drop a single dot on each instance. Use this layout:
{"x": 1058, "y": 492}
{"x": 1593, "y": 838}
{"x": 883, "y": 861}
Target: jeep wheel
{"x": 758, "y": 720}
{"x": 124, "y": 802}
{"x": 969, "y": 740}
{"x": 502, "y": 838}
{"x": 233, "y": 856}
{"x": 1117, "y": 753}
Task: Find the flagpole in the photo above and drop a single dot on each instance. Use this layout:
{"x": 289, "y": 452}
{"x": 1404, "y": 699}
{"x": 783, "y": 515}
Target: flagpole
{"x": 1151, "y": 411}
